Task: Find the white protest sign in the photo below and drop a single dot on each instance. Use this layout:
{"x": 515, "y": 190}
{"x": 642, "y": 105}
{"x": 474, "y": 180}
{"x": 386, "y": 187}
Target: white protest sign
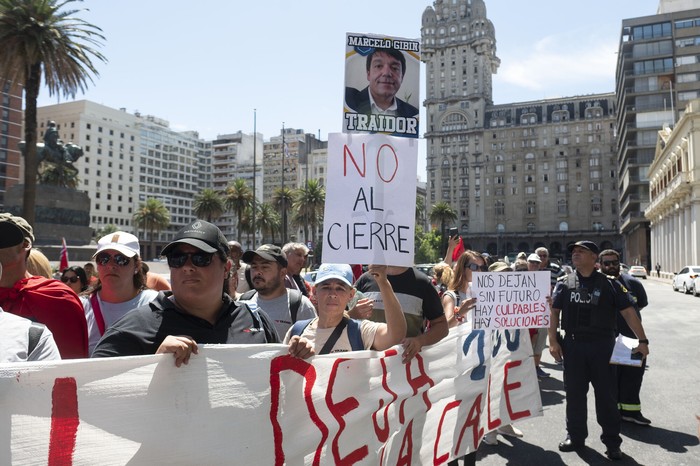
{"x": 238, "y": 404}
{"x": 369, "y": 215}
{"x": 511, "y": 299}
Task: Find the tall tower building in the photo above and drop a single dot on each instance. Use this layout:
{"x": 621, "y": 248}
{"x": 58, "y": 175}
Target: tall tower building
{"x": 519, "y": 175}
{"x": 10, "y": 135}
{"x": 658, "y": 73}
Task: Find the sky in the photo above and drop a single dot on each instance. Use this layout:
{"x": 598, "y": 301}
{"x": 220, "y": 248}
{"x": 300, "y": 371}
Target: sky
{"x": 209, "y": 67}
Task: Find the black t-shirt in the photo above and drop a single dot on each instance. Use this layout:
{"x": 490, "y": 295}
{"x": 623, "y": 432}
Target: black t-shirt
{"x": 416, "y": 294}
{"x": 591, "y": 308}
{"x": 639, "y": 298}
{"x": 142, "y": 330}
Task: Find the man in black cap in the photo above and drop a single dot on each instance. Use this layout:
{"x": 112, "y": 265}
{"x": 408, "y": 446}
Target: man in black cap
{"x": 197, "y": 310}
{"x": 589, "y": 302}
{"x": 40, "y": 299}
{"x": 268, "y": 269}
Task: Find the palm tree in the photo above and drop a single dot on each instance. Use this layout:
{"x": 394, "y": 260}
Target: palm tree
{"x": 153, "y": 217}
{"x": 208, "y": 204}
{"x": 269, "y": 220}
{"x": 282, "y": 200}
{"x": 443, "y": 214}
{"x": 237, "y": 197}
{"x": 36, "y": 39}
{"x": 309, "y": 201}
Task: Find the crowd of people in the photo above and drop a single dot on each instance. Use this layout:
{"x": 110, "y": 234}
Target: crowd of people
{"x": 218, "y": 293}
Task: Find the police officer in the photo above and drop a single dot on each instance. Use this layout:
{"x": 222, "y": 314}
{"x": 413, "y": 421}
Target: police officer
{"x": 588, "y": 302}
{"x": 629, "y": 378}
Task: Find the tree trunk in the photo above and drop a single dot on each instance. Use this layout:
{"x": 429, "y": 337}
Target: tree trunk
{"x": 31, "y": 164}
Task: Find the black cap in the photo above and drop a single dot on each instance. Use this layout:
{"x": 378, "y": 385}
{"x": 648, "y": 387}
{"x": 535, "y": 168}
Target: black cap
{"x": 269, "y": 252}
{"x": 202, "y": 235}
{"x": 590, "y": 245}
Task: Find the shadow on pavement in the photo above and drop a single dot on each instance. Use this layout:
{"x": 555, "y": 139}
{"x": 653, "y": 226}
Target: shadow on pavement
{"x": 669, "y": 440}
{"x": 518, "y": 452}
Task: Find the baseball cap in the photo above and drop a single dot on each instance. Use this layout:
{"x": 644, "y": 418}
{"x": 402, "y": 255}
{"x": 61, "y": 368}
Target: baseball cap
{"x": 342, "y": 272}
{"x": 202, "y": 235}
{"x": 269, "y": 252}
{"x": 499, "y": 267}
{"x": 590, "y": 245}
{"x": 120, "y": 241}
{"x": 13, "y": 230}
{"x": 534, "y": 258}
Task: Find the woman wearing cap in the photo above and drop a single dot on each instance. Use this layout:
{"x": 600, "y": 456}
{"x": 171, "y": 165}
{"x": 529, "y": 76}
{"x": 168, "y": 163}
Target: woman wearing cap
{"x": 457, "y": 300}
{"x": 333, "y": 331}
{"x": 121, "y": 284}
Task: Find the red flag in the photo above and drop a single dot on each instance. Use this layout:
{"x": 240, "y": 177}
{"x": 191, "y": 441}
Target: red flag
{"x": 459, "y": 249}
{"x": 64, "y": 256}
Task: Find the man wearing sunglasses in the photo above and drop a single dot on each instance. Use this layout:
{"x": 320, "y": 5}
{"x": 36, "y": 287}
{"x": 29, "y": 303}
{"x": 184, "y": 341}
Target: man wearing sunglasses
{"x": 629, "y": 378}
{"x": 199, "y": 308}
{"x": 588, "y": 302}
{"x": 47, "y": 301}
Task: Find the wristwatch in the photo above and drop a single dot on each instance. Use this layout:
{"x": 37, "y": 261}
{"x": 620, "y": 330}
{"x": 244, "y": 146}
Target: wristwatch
{"x": 645, "y": 341}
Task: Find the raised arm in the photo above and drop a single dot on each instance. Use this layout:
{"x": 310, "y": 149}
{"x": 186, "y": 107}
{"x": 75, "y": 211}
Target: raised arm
{"x": 394, "y": 330}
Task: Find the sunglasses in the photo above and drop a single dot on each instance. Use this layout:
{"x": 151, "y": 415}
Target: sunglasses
{"x": 120, "y": 259}
{"x": 613, "y": 263}
{"x": 474, "y": 267}
{"x": 70, "y": 279}
{"x": 199, "y": 259}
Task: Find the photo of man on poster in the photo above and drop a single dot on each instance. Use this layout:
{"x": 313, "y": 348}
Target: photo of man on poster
{"x": 383, "y": 105}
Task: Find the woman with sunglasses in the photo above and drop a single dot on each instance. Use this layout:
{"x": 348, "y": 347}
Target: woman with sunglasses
{"x": 120, "y": 287}
{"x": 457, "y": 301}
{"x": 76, "y": 278}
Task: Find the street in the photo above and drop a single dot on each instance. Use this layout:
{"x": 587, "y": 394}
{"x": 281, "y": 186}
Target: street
{"x": 670, "y": 398}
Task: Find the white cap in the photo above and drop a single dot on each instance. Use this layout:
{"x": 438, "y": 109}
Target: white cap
{"x": 534, "y": 258}
{"x": 119, "y": 241}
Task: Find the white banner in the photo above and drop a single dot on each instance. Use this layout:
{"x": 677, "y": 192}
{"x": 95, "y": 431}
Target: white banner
{"x": 369, "y": 215}
{"x": 511, "y": 300}
{"x": 237, "y": 404}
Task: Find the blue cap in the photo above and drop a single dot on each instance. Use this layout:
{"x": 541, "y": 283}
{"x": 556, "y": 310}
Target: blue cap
{"x": 342, "y": 272}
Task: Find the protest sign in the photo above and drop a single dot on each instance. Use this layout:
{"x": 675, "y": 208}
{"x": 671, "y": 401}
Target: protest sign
{"x": 254, "y": 404}
{"x": 511, "y": 300}
{"x": 382, "y": 82}
{"x": 369, "y": 215}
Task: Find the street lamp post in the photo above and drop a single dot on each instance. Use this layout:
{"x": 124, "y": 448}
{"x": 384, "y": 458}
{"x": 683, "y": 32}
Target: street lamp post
{"x": 284, "y": 196}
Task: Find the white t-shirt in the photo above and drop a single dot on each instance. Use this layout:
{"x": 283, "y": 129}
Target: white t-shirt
{"x": 278, "y": 310}
{"x": 111, "y": 312}
{"x": 14, "y": 341}
{"x": 319, "y": 336}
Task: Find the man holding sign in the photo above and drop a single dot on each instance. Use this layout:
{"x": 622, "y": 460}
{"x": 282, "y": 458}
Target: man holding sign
{"x": 589, "y": 302}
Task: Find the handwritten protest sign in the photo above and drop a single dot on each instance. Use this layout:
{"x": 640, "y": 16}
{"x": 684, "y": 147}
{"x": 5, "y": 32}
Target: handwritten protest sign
{"x": 511, "y": 300}
{"x": 236, "y": 404}
{"x": 369, "y": 215}
{"x": 382, "y": 82}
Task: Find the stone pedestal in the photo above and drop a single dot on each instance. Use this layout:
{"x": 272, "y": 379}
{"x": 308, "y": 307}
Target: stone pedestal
{"x": 60, "y": 213}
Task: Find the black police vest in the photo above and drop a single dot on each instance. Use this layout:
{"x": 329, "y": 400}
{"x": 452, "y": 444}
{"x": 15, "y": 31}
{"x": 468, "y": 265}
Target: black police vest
{"x": 589, "y": 307}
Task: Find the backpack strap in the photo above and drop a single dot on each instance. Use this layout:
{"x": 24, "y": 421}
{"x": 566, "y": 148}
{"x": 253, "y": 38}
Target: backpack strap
{"x": 354, "y": 335}
{"x": 247, "y": 295}
{"x": 299, "y": 326}
{"x": 294, "y": 303}
{"x": 34, "y": 333}
{"x": 337, "y": 331}
{"x": 97, "y": 312}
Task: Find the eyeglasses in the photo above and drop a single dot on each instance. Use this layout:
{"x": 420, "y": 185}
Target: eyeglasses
{"x": 120, "y": 259}
{"x": 69, "y": 279}
{"x": 199, "y": 259}
{"x": 613, "y": 263}
{"x": 541, "y": 255}
{"x": 474, "y": 267}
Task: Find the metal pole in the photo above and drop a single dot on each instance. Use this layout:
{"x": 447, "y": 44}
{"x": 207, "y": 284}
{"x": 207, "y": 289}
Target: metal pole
{"x": 255, "y": 171}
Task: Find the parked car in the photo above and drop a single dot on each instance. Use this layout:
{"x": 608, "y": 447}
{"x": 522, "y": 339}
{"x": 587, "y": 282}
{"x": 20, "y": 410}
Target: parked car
{"x": 624, "y": 268}
{"x": 638, "y": 271}
{"x": 684, "y": 279}
{"x": 310, "y": 276}
{"x": 426, "y": 269}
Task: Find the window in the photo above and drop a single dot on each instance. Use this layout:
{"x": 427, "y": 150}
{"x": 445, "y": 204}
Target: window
{"x": 562, "y": 207}
{"x": 530, "y": 208}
